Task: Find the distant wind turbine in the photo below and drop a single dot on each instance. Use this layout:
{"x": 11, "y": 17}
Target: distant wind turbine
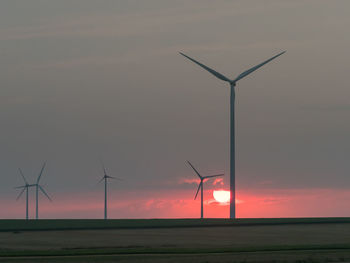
{"x": 24, "y": 187}
{"x": 105, "y": 178}
{"x": 200, "y": 186}
{"x": 37, "y": 188}
{"x": 232, "y": 120}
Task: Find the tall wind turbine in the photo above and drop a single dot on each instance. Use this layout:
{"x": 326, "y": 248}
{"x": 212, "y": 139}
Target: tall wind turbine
{"x": 200, "y": 186}
{"x": 232, "y": 83}
{"x": 105, "y": 178}
{"x": 37, "y": 188}
{"x": 24, "y": 187}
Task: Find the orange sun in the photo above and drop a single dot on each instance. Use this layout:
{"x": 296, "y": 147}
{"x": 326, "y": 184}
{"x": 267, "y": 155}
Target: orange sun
{"x": 221, "y": 196}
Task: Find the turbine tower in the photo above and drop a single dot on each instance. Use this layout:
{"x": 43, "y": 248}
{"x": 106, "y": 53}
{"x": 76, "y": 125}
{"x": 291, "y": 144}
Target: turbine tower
{"x": 200, "y": 186}
{"x": 105, "y": 178}
{"x": 37, "y": 188}
{"x": 24, "y": 188}
{"x": 232, "y": 83}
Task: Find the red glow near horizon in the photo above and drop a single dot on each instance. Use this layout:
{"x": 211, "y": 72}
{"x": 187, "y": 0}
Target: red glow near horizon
{"x": 180, "y": 204}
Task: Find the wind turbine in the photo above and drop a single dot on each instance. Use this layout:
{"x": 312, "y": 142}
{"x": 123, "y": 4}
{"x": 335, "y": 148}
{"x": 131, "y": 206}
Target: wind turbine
{"x": 24, "y": 188}
{"x": 200, "y": 186}
{"x": 37, "y": 188}
{"x": 232, "y": 83}
{"x": 105, "y": 178}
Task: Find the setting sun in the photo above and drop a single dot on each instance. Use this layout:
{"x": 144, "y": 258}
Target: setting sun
{"x": 221, "y": 196}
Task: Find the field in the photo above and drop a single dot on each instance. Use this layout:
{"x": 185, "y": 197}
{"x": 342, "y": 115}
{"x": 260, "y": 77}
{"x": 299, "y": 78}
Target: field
{"x": 174, "y": 240}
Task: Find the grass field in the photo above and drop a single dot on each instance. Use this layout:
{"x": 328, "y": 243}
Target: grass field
{"x": 77, "y": 224}
{"x": 174, "y": 240}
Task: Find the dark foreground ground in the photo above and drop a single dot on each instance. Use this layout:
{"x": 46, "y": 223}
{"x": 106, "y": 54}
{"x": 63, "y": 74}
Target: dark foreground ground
{"x": 186, "y": 240}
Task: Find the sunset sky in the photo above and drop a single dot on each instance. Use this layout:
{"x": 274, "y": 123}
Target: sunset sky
{"x": 85, "y": 80}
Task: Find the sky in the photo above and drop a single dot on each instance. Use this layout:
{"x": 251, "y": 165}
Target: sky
{"x": 83, "y": 81}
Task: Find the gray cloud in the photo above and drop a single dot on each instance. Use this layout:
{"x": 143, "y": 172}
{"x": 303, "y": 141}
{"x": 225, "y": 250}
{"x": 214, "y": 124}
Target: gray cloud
{"x": 104, "y": 79}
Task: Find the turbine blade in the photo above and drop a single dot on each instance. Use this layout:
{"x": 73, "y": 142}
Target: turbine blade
{"x": 101, "y": 180}
{"x": 20, "y": 193}
{"x": 195, "y": 170}
{"x": 216, "y": 175}
{"x": 115, "y": 178}
{"x": 18, "y": 187}
{"x": 247, "y": 72}
{"x": 199, "y": 186}
{"x": 103, "y": 167}
{"x": 215, "y": 73}
{"x": 42, "y": 190}
{"x": 41, "y": 172}
{"x": 20, "y": 171}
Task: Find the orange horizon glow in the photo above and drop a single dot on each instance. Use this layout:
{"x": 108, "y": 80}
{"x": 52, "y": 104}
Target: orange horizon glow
{"x": 256, "y": 203}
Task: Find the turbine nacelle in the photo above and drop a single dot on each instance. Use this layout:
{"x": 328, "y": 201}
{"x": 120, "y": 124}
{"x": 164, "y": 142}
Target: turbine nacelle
{"x": 233, "y": 83}
{"x": 105, "y": 175}
{"x": 110, "y": 177}
{"x": 23, "y": 187}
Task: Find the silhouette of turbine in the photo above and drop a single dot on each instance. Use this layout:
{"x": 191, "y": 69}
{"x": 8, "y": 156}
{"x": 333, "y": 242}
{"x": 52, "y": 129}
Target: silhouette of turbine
{"x": 232, "y": 120}
{"x": 105, "y": 178}
{"x": 24, "y": 187}
{"x": 200, "y": 186}
{"x": 37, "y": 188}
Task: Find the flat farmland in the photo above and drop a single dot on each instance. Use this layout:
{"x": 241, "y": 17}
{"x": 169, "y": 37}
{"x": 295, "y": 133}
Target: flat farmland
{"x": 250, "y": 240}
